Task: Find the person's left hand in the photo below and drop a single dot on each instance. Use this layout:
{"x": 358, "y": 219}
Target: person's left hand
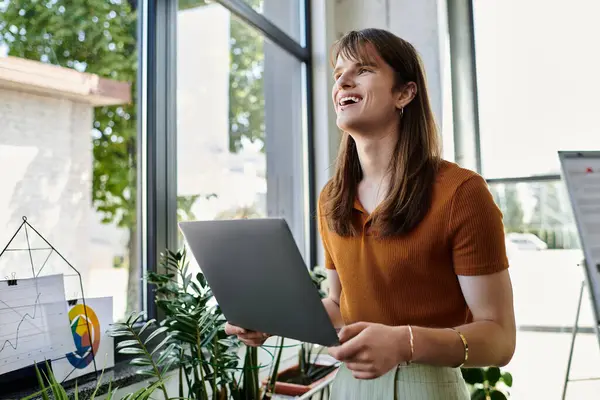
{"x": 370, "y": 350}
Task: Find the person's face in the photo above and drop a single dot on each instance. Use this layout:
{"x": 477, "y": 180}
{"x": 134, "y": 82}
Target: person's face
{"x": 363, "y": 94}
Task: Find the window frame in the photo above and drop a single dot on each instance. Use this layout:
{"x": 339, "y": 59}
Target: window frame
{"x": 462, "y": 36}
{"x": 157, "y": 126}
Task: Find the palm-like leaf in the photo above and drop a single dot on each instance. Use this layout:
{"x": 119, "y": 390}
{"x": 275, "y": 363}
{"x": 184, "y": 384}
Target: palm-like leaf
{"x": 195, "y": 325}
{"x": 138, "y": 347}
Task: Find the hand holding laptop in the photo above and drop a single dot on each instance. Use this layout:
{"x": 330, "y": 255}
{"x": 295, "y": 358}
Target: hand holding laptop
{"x": 260, "y": 280}
{"x": 248, "y": 337}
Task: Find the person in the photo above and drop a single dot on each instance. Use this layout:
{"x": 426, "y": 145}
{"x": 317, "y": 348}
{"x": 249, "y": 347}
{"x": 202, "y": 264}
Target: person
{"x": 414, "y": 244}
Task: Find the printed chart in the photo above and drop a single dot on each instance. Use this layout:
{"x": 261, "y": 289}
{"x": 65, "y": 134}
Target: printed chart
{"x": 34, "y": 322}
{"x": 581, "y": 172}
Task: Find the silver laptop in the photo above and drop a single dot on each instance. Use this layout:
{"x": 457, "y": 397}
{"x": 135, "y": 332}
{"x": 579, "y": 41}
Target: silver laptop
{"x": 259, "y": 278}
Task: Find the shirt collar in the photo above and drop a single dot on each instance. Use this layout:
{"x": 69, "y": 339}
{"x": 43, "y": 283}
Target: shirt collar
{"x": 358, "y": 205}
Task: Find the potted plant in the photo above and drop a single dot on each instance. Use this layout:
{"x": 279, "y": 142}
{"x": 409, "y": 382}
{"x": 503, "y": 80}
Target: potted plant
{"x": 303, "y": 376}
{"x": 308, "y": 372}
{"x": 190, "y": 339}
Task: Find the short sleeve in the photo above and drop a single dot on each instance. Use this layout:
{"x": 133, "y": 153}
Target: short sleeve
{"x": 322, "y": 224}
{"x": 476, "y": 230}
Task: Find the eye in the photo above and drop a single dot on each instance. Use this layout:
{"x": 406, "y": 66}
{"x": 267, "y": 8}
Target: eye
{"x": 363, "y": 70}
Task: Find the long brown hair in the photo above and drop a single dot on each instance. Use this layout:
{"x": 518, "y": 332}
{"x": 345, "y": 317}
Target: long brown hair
{"x": 417, "y": 154}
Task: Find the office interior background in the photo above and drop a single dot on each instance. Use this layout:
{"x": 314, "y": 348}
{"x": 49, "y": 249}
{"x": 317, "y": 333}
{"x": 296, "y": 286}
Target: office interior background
{"x": 220, "y": 109}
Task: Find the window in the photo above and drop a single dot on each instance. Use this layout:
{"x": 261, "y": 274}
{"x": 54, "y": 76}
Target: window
{"x": 545, "y": 255}
{"x": 287, "y": 15}
{"x": 240, "y": 124}
{"x": 537, "y": 84}
{"x": 537, "y": 90}
{"x": 67, "y": 156}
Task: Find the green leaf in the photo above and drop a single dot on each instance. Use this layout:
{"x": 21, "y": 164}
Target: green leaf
{"x": 507, "y": 379}
{"x": 473, "y": 375}
{"x": 109, "y": 392}
{"x": 147, "y": 392}
{"x": 127, "y": 343}
{"x": 138, "y": 317}
{"x": 161, "y": 344}
{"x": 120, "y": 333}
{"x": 185, "y": 337}
{"x": 146, "y": 325}
{"x": 140, "y": 362}
{"x": 99, "y": 382}
{"x": 497, "y": 395}
{"x": 146, "y": 372}
{"x": 479, "y": 394}
{"x": 200, "y": 278}
{"x": 131, "y": 350}
{"x": 169, "y": 351}
{"x": 154, "y": 334}
{"x": 42, "y": 383}
{"x": 492, "y": 375}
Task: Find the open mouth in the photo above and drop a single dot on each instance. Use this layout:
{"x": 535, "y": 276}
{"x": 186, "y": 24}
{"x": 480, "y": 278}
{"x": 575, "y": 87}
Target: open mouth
{"x": 349, "y": 100}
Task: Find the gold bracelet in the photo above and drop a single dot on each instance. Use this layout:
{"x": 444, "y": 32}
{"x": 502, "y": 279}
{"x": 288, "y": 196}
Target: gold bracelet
{"x": 412, "y": 345}
{"x": 465, "y": 344}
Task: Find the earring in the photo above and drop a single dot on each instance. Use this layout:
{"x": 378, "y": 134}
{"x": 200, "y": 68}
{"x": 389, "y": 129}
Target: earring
{"x": 401, "y": 112}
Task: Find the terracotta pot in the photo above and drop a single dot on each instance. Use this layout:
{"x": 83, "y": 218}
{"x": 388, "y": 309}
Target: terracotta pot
{"x": 293, "y": 389}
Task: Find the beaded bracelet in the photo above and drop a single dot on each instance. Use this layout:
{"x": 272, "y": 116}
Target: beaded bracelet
{"x": 465, "y": 344}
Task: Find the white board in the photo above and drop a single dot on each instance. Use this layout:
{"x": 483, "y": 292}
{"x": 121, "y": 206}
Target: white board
{"x": 581, "y": 174}
{"x": 34, "y": 323}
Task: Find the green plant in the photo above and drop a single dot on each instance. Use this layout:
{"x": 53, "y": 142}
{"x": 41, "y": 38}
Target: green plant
{"x": 153, "y": 362}
{"x": 307, "y": 370}
{"x": 208, "y": 358}
{"x": 49, "y": 384}
{"x": 487, "y": 383}
{"x": 193, "y": 340}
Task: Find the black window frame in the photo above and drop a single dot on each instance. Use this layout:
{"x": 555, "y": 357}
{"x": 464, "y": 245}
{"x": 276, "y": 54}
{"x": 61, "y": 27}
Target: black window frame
{"x": 157, "y": 128}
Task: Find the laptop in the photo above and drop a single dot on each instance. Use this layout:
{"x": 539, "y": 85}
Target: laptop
{"x": 259, "y": 278}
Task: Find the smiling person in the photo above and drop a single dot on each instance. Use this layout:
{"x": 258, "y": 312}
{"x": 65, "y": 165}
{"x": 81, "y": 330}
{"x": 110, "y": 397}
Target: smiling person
{"x": 414, "y": 245}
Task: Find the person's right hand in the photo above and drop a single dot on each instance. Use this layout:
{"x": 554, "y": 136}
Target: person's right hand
{"x": 248, "y": 337}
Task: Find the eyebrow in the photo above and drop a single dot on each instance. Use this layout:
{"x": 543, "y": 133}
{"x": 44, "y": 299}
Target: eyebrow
{"x": 358, "y": 64}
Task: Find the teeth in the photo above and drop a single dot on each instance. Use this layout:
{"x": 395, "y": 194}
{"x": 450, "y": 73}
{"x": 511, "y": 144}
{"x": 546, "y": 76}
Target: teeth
{"x": 344, "y": 99}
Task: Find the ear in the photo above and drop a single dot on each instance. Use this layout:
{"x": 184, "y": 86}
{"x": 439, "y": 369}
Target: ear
{"x": 406, "y": 95}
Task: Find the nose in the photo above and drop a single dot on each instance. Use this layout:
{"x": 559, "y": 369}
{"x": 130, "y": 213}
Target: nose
{"x": 345, "y": 81}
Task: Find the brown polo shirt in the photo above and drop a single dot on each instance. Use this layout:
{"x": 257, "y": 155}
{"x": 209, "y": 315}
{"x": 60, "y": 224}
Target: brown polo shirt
{"x": 412, "y": 278}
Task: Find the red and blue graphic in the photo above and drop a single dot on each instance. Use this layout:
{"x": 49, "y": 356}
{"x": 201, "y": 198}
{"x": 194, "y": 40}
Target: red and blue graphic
{"x": 86, "y": 334}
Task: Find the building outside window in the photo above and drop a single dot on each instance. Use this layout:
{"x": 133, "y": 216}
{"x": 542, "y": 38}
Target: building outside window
{"x": 69, "y": 158}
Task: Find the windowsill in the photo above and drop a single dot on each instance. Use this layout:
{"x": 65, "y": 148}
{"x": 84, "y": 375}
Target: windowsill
{"x": 122, "y": 375}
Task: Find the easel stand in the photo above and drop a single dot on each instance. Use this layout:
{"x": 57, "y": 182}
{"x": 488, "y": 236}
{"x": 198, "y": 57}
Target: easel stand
{"x": 573, "y": 336}
{"x": 27, "y": 375}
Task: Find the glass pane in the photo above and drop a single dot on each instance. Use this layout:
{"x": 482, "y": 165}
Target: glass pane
{"x": 537, "y": 87}
{"x": 544, "y": 251}
{"x": 240, "y": 127}
{"x": 285, "y": 14}
{"x": 544, "y": 255}
{"x": 68, "y": 144}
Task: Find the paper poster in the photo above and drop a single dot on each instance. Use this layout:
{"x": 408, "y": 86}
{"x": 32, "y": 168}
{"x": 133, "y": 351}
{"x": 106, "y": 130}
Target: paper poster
{"x": 34, "y": 326}
{"x": 89, "y": 325}
{"x": 581, "y": 172}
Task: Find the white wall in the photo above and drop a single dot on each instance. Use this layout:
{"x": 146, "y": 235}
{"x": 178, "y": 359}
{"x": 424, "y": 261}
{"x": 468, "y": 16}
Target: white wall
{"x": 46, "y": 175}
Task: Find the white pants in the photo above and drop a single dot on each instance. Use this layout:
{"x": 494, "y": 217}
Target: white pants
{"x": 412, "y": 382}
